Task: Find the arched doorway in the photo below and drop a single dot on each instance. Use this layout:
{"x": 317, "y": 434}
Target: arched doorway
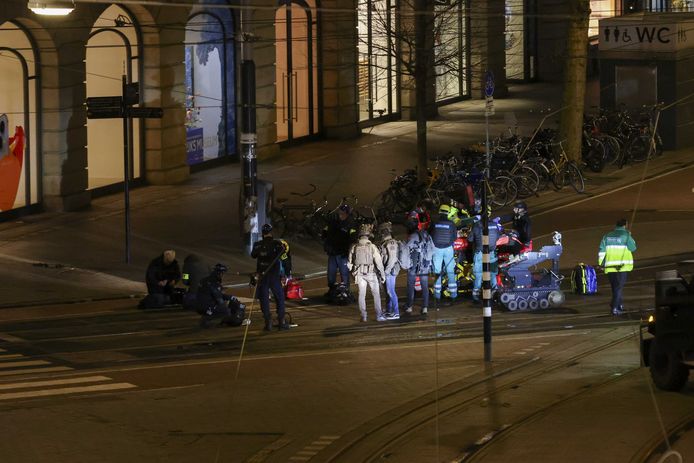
{"x": 209, "y": 82}
{"x": 20, "y": 167}
{"x": 296, "y": 48}
{"x": 113, "y": 50}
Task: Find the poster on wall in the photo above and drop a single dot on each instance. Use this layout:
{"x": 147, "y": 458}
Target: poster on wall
{"x": 11, "y": 161}
{"x": 195, "y": 145}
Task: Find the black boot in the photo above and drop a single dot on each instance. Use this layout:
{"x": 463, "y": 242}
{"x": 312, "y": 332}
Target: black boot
{"x": 268, "y": 325}
{"x": 282, "y": 325}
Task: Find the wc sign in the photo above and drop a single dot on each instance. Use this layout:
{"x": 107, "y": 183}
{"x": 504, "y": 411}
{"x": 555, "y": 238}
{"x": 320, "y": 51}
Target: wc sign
{"x": 647, "y": 36}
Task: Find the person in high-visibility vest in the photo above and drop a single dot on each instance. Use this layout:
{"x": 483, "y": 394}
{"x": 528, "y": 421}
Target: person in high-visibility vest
{"x": 615, "y": 257}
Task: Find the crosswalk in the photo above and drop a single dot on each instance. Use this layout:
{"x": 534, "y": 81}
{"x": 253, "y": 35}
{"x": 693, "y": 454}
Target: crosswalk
{"x": 13, "y": 364}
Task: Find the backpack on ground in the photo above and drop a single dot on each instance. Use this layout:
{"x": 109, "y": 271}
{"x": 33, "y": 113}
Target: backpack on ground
{"x": 584, "y": 280}
{"x": 237, "y": 312}
{"x": 340, "y": 295}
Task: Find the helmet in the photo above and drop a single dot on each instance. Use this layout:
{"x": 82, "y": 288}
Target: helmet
{"x": 520, "y": 206}
{"x": 220, "y": 268}
{"x": 444, "y": 209}
{"x": 345, "y": 208}
{"x": 267, "y": 229}
{"x": 366, "y": 229}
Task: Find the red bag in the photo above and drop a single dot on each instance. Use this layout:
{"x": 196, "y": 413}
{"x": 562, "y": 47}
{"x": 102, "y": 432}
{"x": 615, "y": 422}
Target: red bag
{"x": 294, "y": 290}
{"x": 460, "y": 244}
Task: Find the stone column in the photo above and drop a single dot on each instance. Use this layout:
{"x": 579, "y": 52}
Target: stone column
{"x": 487, "y": 46}
{"x": 338, "y": 41}
{"x": 165, "y": 161}
{"x": 264, "y": 56}
{"x": 64, "y": 134}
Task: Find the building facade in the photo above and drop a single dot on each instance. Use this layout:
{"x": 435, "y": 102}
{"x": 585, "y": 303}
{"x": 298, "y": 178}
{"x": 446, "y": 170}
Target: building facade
{"x": 324, "y": 68}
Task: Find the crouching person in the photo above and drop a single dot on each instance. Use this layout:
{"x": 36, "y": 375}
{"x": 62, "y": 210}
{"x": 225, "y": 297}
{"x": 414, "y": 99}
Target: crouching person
{"x": 213, "y": 304}
{"x": 161, "y": 277}
{"x": 364, "y": 261}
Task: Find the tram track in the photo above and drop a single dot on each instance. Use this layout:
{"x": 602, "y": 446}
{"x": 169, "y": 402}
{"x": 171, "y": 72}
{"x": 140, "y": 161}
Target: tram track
{"x": 374, "y": 440}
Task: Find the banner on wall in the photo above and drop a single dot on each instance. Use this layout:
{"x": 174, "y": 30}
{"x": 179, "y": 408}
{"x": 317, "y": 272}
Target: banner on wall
{"x": 10, "y": 165}
{"x": 195, "y": 144}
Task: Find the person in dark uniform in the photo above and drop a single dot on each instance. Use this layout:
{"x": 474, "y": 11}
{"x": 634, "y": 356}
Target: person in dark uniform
{"x": 522, "y": 226}
{"x": 194, "y": 270}
{"x": 161, "y": 277}
{"x": 269, "y": 253}
{"x": 212, "y": 303}
{"x": 338, "y": 236}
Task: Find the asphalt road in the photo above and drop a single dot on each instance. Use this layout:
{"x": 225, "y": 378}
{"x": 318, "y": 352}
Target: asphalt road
{"x": 105, "y": 382}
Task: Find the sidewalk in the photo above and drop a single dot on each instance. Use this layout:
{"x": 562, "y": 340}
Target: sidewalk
{"x": 60, "y": 257}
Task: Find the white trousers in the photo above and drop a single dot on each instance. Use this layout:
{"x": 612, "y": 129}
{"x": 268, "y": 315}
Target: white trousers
{"x": 370, "y": 280}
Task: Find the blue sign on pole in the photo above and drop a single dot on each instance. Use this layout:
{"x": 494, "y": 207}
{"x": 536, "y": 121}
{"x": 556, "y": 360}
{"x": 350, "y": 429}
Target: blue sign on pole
{"x": 489, "y": 85}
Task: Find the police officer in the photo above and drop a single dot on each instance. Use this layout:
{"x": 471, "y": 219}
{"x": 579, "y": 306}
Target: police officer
{"x": 268, "y": 252}
{"x": 213, "y": 303}
{"x": 522, "y": 226}
{"x": 444, "y": 233}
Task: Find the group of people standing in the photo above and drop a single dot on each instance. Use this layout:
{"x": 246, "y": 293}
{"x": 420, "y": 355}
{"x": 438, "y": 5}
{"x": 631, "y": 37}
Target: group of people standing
{"x": 428, "y": 249}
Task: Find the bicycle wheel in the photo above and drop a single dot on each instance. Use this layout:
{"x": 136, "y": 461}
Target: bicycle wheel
{"x": 502, "y": 191}
{"x": 595, "y": 155}
{"x": 543, "y": 175}
{"x": 574, "y": 177}
{"x": 527, "y": 181}
{"x": 558, "y": 178}
{"x": 613, "y": 148}
{"x": 638, "y": 148}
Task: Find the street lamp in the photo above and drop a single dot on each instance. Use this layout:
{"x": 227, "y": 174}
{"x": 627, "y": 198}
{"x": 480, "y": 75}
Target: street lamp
{"x": 51, "y": 7}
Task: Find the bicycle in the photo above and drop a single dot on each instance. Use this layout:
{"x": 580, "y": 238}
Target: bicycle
{"x": 563, "y": 171}
{"x": 306, "y": 219}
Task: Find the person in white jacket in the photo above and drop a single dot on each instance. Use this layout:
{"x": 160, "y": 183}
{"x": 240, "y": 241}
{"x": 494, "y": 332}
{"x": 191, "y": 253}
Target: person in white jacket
{"x": 364, "y": 261}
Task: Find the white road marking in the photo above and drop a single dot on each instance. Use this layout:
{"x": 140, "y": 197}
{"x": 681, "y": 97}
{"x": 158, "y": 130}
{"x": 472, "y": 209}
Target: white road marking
{"x": 66, "y": 390}
{"x": 54, "y": 382}
{"x": 10, "y": 356}
{"x": 9, "y": 338}
{"x": 34, "y": 370}
{"x": 307, "y": 453}
{"x": 29, "y": 363}
{"x": 665, "y": 174}
{"x": 331, "y": 438}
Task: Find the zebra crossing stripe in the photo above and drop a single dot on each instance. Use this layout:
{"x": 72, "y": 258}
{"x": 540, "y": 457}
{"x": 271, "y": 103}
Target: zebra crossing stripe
{"x": 23, "y": 371}
{"x": 54, "y": 382}
{"x": 65, "y": 390}
{"x": 29, "y": 363}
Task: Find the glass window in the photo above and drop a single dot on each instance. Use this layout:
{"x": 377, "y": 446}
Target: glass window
{"x": 110, "y": 49}
{"x": 377, "y": 81}
{"x": 19, "y": 173}
{"x": 449, "y": 48}
{"x": 210, "y": 115}
{"x": 600, "y": 9}
{"x": 515, "y": 39}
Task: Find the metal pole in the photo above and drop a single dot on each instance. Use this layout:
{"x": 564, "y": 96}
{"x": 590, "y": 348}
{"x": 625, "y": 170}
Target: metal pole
{"x": 249, "y": 140}
{"x": 126, "y": 171}
{"x": 486, "y": 283}
{"x": 486, "y": 275}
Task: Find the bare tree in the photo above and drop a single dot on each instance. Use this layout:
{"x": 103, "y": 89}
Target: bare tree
{"x": 571, "y": 123}
{"x": 422, "y": 39}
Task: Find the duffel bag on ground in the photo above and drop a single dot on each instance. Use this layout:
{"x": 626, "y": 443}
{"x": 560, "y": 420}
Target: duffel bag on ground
{"x": 584, "y": 280}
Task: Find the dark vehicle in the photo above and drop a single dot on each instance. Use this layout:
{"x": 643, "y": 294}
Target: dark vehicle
{"x": 669, "y": 352}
